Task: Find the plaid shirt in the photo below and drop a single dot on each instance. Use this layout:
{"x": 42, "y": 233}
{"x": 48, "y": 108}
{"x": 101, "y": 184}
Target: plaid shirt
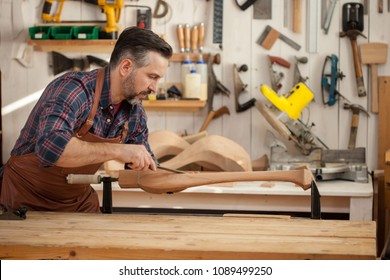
{"x": 64, "y": 107}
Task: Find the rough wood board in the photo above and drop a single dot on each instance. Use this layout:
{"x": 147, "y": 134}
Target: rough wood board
{"x": 383, "y": 120}
{"x": 45, "y": 235}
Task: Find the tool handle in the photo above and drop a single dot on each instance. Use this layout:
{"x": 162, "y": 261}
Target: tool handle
{"x": 354, "y": 128}
{"x": 180, "y": 37}
{"x": 279, "y": 60}
{"x": 83, "y": 179}
{"x": 194, "y": 39}
{"x": 374, "y": 89}
{"x": 358, "y": 69}
{"x": 201, "y": 36}
{"x": 297, "y": 15}
{"x": 245, "y": 106}
{"x": 207, "y": 121}
{"x": 187, "y": 37}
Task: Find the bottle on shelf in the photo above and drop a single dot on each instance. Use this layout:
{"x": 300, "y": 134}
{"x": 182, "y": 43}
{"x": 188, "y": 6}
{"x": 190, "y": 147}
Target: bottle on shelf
{"x": 193, "y": 85}
{"x": 186, "y": 67}
{"x": 201, "y": 68}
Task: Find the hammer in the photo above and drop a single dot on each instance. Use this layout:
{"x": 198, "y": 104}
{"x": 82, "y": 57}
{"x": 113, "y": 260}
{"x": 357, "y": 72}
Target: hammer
{"x": 356, "y": 109}
{"x": 352, "y": 35}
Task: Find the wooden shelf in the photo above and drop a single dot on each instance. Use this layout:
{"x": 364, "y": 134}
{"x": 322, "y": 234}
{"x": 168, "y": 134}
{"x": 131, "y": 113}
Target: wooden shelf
{"x": 102, "y": 46}
{"x": 89, "y": 46}
{"x": 106, "y": 46}
{"x": 174, "y": 105}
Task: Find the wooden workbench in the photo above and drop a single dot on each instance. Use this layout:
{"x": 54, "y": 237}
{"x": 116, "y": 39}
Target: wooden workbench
{"x": 45, "y": 235}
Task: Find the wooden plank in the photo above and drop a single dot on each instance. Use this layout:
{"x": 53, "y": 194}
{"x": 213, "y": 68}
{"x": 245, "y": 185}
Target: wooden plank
{"x": 174, "y": 105}
{"x": 126, "y": 236}
{"x": 383, "y": 120}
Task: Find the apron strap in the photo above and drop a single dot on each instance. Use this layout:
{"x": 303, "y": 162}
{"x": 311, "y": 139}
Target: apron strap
{"x": 98, "y": 91}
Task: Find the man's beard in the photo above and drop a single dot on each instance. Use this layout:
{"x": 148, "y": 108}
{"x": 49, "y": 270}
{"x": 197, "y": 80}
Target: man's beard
{"x": 130, "y": 91}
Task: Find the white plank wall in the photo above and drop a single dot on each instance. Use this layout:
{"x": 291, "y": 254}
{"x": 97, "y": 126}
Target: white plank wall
{"x": 240, "y": 33}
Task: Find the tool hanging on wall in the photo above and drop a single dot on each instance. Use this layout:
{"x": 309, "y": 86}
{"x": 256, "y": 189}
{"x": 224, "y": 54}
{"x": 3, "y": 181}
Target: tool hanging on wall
{"x": 144, "y": 15}
{"x": 61, "y": 63}
{"x": 239, "y": 88}
{"x": 270, "y": 35}
{"x": 329, "y": 15}
{"x": 262, "y": 9}
{"x": 144, "y": 18}
{"x": 356, "y": 109}
{"x": 161, "y": 4}
{"x": 353, "y": 24}
{"x": 111, "y": 8}
{"x": 276, "y": 77}
{"x": 297, "y": 16}
{"x": 380, "y": 6}
{"x": 298, "y": 78}
{"x": 213, "y": 85}
{"x": 374, "y": 54}
{"x": 329, "y": 80}
{"x": 190, "y": 39}
{"x": 246, "y": 4}
{"x": 218, "y": 22}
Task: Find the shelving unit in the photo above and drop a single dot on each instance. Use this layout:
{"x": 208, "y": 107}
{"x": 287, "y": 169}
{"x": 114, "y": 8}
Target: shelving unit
{"x": 106, "y": 46}
{"x": 102, "y": 46}
{"x": 174, "y": 105}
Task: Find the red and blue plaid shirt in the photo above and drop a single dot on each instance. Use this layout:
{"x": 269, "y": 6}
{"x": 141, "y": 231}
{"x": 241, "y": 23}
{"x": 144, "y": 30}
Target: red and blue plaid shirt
{"x": 64, "y": 107}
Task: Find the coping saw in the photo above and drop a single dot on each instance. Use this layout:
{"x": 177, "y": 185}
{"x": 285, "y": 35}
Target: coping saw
{"x": 330, "y": 87}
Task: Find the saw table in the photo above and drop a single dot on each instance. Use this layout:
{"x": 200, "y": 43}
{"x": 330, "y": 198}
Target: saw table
{"x": 92, "y": 236}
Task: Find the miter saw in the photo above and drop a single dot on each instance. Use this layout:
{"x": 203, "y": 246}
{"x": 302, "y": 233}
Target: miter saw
{"x": 283, "y": 113}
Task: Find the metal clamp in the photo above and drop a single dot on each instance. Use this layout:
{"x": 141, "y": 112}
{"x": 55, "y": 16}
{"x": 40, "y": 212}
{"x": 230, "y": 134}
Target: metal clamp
{"x": 12, "y": 214}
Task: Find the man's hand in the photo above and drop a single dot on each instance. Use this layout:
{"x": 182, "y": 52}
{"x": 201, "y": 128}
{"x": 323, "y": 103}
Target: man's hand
{"x": 138, "y": 158}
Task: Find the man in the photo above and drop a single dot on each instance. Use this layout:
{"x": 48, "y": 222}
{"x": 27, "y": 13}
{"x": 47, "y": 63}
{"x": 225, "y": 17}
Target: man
{"x": 82, "y": 120}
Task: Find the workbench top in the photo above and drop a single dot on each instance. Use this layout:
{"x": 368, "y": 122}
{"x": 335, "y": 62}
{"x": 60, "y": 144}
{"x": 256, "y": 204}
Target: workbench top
{"x": 50, "y": 235}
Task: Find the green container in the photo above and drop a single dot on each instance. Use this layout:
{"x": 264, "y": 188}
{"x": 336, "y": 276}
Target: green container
{"x": 40, "y": 32}
{"x": 86, "y": 32}
{"x": 61, "y": 32}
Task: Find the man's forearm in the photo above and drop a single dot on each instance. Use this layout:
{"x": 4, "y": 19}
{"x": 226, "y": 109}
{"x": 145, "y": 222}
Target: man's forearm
{"x": 79, "y": 153}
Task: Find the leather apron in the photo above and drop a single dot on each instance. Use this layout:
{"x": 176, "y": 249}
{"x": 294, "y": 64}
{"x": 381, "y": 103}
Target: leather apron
{"x": 25, "y": 183}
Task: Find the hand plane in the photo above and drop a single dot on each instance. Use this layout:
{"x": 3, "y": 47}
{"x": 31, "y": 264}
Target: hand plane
{"x": 276, "y": 77}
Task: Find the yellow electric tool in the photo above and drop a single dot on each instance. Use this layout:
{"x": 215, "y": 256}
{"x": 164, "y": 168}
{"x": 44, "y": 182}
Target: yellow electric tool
{"x": 284, "y": 116}
{"x": 111, "y": 8}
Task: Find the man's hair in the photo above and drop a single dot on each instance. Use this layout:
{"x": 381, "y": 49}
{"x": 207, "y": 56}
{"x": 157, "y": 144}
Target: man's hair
{"x": 135, "y": 43}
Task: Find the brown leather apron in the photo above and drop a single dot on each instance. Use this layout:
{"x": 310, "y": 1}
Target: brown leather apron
{"x": 25, "y": 183}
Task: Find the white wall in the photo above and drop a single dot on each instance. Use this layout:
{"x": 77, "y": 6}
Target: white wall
{"x": 240, "y": 33}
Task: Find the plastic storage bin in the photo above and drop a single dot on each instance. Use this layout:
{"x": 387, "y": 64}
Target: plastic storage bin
{"x": 40, "y": 32}
{"x": 86, "y": 32}
{"x": 61, "y": 32}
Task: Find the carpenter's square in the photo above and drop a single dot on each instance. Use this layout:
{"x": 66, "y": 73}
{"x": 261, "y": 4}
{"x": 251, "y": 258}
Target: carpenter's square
{"x": 270, "y": 35}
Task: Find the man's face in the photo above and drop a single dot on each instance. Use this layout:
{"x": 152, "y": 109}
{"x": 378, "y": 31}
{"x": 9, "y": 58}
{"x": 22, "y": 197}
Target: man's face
{"x": 142, "y": 81}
